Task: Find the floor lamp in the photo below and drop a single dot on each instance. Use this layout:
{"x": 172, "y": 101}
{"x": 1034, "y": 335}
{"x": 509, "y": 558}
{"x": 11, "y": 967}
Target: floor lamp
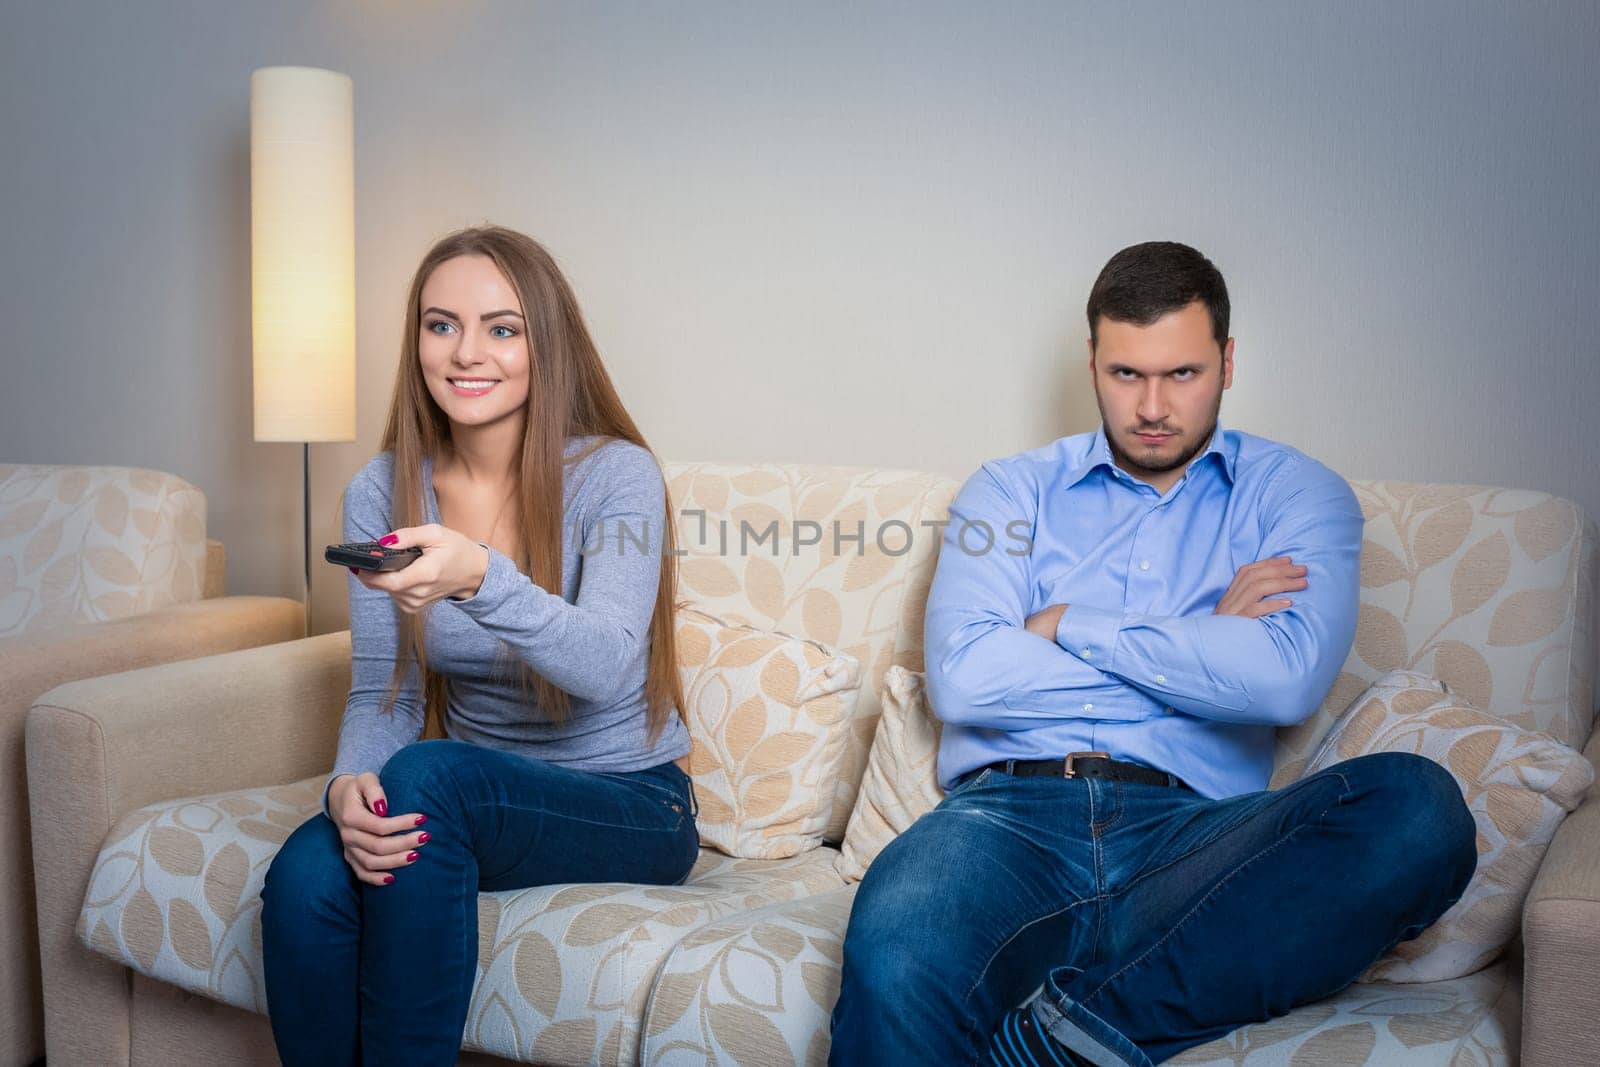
{"x": 302, "y": 264}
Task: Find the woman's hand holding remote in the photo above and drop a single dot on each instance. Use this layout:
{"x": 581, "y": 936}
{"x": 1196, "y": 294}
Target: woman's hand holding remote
{"x": 451, "y": 566}
{"x": 375, "y": 842}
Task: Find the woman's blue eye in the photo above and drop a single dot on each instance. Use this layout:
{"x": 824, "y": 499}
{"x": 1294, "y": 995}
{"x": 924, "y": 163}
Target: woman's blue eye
{"x": 502, "y": 336}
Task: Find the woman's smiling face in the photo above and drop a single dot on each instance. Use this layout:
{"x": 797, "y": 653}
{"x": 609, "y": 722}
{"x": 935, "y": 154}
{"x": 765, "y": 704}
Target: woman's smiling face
{"x": 473, "y": 343}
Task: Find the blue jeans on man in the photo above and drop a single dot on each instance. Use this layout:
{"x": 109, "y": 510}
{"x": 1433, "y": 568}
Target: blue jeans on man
{"x": 1148, "y": 918}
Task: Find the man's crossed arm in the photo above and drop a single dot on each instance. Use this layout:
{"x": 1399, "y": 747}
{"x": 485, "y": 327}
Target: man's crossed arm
{"x": 1258, "y": 658}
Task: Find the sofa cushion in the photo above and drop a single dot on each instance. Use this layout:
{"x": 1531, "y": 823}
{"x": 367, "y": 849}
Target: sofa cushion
{"x": 564, "y": 971}
{"x": 1491, "y": 590}
{"x": 769, "y": 721}
{"x": 1474, "y": 1021}
{"x": 1519, "y": 785}
{"x": 901, "y": 781}
{"x": 758, "y": 988}
{"x": 88, "y": 544}
{"x": 840, "y": 555}
{"x": 754, "y": 988}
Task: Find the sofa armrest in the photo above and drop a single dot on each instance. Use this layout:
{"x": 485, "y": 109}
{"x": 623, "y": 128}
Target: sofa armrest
{"x": 1561, "y": 938}
{"x": 260, "y": 716}
{"x": 101, "y": 747}
{"x": 32, "y": 663}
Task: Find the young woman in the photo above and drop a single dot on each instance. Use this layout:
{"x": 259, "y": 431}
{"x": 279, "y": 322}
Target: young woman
{"x": 531, "y": 642}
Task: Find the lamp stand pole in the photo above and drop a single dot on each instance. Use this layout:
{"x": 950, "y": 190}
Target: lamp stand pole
{"x": 305, "y": 513}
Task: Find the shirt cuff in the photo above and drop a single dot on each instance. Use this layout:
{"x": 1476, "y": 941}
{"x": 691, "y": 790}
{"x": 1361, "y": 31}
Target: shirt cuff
{"x": 1090, "y": 634}
{"x": 499, "y": 577}
{"x": 327, "y": 787}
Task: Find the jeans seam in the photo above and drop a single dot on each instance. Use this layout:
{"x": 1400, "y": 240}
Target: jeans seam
{"x": 1219, "y": 836}
{"x": 1096, "y": 859}
{"x": 1117, "y": 809}
{"x": 628, "y": 779}
{"x": 1203, "y": 900}
{"x": 478, "y": 806}
{"x": 1001, "y": 947}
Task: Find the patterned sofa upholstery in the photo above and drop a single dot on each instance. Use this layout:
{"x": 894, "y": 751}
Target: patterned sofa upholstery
{"x": 1493, "y": 590}
{"x": 101, "y": 568}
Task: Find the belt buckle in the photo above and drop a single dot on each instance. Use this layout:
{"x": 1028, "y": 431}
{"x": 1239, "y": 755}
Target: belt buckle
{"x": 1066, "y": 764}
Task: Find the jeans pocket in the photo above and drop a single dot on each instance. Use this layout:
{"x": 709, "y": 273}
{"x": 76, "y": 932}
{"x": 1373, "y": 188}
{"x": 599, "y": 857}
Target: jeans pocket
{"x": 678, "y": 799}
{"x": 976, "y": 780}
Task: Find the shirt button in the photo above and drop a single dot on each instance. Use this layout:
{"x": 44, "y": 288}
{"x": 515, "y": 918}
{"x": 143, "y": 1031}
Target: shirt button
{"x": 1086, "y": 654}
{"x": 1161, "y": 679}
{"x": 1088, "y": 707}
{"x": 1169, "y": 711}
{"x": 1144, "y": 564}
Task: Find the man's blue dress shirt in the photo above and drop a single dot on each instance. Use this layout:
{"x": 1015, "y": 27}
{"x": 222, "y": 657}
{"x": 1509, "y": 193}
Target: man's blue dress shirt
{"x": 1140, "y": 666}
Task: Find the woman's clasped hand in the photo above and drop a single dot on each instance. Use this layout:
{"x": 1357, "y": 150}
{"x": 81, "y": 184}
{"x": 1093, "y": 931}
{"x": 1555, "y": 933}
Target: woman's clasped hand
{"x": 375, "y": 842}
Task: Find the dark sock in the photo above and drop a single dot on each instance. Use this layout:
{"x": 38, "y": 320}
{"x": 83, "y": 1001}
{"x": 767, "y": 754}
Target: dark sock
{"x": 1019, "y": 1041}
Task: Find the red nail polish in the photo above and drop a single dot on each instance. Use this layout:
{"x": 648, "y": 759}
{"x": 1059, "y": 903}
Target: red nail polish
{"x": 388, "y": 878}
{"x": 388, "y": 539}
{"x": 424, "y": 837}
{"x": 411, "y": 857}
{"x": 420, "y": 820}
{"x": 381, "y": 807}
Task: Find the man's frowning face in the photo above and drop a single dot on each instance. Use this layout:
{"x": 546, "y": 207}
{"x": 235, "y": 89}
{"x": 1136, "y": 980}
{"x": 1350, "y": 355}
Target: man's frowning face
{"x": 1159, "y": 389}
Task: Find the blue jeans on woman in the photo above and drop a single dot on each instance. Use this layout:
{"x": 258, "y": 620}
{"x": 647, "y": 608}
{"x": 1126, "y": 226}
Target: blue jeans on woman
{"x": 358, "y": 973}
{"x": 1147, "y": 918}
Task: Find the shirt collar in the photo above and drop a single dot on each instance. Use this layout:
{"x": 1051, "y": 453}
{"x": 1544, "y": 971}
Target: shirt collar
{"x": 1226, "y": 450}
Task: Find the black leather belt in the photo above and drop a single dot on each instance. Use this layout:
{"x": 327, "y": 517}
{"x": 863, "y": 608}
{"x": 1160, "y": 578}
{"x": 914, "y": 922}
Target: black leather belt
{"x": 1086, "y": 765}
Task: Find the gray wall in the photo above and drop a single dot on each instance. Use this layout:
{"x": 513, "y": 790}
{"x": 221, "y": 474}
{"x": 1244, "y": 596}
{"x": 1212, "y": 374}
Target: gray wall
{"x": 884, "y": 219}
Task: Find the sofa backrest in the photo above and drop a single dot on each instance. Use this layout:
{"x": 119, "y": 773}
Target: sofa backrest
{"x": 88, "y": 544}
{"x": 1493, "y": 590}
{"x": 835, "y": 554}
{"x": 1490, "y": 590}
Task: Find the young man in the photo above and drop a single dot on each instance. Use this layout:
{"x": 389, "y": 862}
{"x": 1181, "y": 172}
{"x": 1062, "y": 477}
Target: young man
{"x": 1108, "y": 880}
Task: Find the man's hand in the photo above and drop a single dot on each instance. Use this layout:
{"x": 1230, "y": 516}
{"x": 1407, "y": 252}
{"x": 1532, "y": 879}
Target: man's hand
{"x": 450, "y": 566}
{"x": 1267, "y": 577}
{"x": 1044, "y": 622}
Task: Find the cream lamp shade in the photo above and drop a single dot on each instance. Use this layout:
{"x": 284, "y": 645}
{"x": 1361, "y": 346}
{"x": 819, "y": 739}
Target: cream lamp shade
{"x": 302, "y": 254}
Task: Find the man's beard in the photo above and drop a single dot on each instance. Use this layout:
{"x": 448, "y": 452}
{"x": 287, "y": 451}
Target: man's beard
{"x": 1132, "y": 465}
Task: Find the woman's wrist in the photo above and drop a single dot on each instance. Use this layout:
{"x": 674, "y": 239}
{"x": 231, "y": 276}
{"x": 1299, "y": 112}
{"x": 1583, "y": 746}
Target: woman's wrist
{"x": 480, "y": 570}
{"x": 337, "y": 786}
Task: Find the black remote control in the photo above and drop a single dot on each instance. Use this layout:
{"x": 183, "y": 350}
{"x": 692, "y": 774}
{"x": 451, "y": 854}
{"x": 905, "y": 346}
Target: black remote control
{"x": 371, "y": 556}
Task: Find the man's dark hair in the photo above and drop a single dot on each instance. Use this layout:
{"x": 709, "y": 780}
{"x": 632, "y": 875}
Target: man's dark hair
{"x": 1143, "y": 282}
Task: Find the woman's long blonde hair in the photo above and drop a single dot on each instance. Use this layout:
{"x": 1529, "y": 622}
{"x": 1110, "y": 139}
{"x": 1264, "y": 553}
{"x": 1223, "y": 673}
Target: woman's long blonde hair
{"x": 569, "y": 394}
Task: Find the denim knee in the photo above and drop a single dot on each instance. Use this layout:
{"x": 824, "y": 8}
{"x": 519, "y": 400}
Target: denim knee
{"x": 415, "y": 778}
{"x": 886, "y": 944}
{"x": 308, "y": 875}
{"x": 880, "y": 966}
{"x": 1425, "y": 818}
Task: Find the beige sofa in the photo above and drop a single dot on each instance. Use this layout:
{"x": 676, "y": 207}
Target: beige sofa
{"x": 101, "y": 569}
{"x": 170, "y": 788}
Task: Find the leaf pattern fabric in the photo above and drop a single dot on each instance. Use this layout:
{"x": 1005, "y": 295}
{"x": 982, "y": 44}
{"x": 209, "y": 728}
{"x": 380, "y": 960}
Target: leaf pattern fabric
{"x": 564, "y": 971}
{"x": 1519, "y": 785}
{"x": 775, "y": 546}
{"x": 769, "y": 722}
{"x": 91, "y": 544}
{"x": 1490, "y": 590}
